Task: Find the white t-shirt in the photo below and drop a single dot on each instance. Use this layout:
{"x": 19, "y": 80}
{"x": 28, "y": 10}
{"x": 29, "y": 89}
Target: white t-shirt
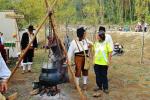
{"x": 73, "y": 48}
{"x": 145, "y": 25}
{"x": 109, "y": 40}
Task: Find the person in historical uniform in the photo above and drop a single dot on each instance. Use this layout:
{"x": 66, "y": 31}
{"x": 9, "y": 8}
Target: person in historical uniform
{"x": 76, "y": 50}
{"x": 26, "y": 39}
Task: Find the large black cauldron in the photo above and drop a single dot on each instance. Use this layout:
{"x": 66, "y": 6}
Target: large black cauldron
{"x": 50, "y": 77}
{"x": 55, "y": 72}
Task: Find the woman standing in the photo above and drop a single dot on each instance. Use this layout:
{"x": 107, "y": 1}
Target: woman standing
{"x": 76, "y": 49}
{"x": 102, "y": 59}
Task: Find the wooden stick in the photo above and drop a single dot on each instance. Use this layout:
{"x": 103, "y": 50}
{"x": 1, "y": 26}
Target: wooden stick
{"x": 34, "y": 92}
{"x": 18, "y": 37}
{"x": 27, "y": 48}
{"x": 65, "y": 52}
{"x": 49, "y": 8}
{"x": 46, "y": 3}
{"x": 142, "y": 49}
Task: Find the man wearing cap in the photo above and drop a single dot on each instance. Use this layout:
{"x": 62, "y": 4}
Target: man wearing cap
{"x": 77, "y": 48}
{"x": 102, "y": 59}
{"x": 108, "y": 37}
{"x": 26, "y": 39}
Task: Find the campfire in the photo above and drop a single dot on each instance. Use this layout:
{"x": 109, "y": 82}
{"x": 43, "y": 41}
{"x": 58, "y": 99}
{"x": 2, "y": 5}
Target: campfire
{"x": 45, "y": 89}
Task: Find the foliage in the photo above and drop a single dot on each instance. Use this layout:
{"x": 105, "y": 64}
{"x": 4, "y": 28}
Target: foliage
{"x": 5, "y": 4}
{"x": 82, "y": 11}
{"x": 33, "y": 10}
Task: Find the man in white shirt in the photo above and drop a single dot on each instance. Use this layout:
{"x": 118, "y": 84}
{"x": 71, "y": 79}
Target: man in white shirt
{"x": 4, "y": 75}
{"x": 77, "y": 48}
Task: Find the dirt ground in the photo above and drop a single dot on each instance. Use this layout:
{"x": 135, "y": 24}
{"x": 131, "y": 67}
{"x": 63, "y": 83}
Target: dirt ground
{"x": 128, "y": 79}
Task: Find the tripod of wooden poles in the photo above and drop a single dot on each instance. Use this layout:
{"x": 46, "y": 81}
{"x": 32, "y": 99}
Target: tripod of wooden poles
{"x": 51, "y": 19}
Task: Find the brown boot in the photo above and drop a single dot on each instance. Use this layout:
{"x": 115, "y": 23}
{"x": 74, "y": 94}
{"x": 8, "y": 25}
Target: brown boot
{"x": 97, "y": 89}
{"x": 97, "y": 94}
{"x": 29, "y": 71}
{"x": 106, "y": 91}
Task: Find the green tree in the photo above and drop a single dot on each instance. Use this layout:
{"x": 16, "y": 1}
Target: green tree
{"x": 82, "y": 11}
{"x": 33, "y": 10}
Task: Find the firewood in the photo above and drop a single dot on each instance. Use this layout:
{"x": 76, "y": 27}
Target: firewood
{"x": 34, "y": 92}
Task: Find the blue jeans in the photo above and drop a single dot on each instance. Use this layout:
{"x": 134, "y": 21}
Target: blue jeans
{"x": 101, "y": 76}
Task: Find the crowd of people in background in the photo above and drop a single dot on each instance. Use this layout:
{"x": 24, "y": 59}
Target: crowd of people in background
{"x": 141, "y": 27}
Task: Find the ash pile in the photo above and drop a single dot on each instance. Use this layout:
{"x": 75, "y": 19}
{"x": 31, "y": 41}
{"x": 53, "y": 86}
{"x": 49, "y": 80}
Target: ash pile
{"x": 53, "y": 72}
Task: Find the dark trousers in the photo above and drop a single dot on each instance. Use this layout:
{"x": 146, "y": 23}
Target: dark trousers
{"x": 145, "y": 29}
{"x": 29, "y": 56}
{"x": 101, "y": 76}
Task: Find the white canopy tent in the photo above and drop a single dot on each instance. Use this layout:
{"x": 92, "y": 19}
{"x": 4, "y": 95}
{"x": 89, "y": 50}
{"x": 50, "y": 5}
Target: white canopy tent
{"x": 8, "y": 26}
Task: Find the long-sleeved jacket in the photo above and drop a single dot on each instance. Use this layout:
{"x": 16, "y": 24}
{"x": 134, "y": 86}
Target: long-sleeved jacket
{"x": 4, "y": 71}
{"x": 25, "y": 41}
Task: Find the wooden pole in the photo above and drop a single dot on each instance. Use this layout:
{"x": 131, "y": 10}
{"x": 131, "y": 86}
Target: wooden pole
{"x": 69, "y": 66}
{"x": 46, "y": 3}
{"x": 18, "y": 37}
{"x": 27, "y": 48}
{"x": 142, "y": 49}
{"x": 65, "y": 52}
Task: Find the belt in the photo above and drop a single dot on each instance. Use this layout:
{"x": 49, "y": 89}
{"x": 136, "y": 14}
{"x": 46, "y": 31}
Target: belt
{"x": 81, "y": 55}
